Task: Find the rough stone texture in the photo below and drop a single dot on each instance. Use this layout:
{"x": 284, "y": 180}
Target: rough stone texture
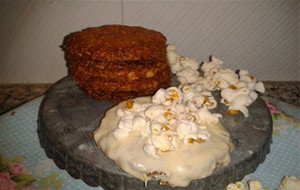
{"x": 13, "y": 95}
{"x": 67, "y": 119}
{"x": 287, "y": 91}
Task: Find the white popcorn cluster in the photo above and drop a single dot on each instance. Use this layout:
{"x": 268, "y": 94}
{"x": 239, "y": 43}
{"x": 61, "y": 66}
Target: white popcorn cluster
{"x": 238, "y": 90}
{"x": 287, "y": 183}
{"x": 251, "y": 185}
{"x": 169, "y": 120}
{"x": 290, "y": 183}
{"x": 236, "y": 186}
{"x": 184, "y": 67}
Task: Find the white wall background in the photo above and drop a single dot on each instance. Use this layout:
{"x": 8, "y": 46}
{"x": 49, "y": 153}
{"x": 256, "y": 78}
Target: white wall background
{"x": 262, "y": 36}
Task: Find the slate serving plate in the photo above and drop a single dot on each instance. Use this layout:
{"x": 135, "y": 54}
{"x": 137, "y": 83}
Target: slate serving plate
{"x": 67, "y": 119}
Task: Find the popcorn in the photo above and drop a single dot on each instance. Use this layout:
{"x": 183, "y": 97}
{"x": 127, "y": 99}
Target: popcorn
{"x": 167, "y": 97}
{"x": 188, "y": 93}
{"x": 171, "y": 48}
{"x": 255, "y": 185}
{"x": 169, "y": 115}
{"x": 155, "y": 112}
{"x": 187, "y": 75}
{"x": 145, "y": 130}
{"x": 252, "y": 185}
{"x": 173, "y": 59}
{"x": 186, "y": 127}
{"x": 209, "y": 102}
{"x": 126, "y": 123}
{"x": 206, "y": 118}
{"x": 191, "y": 106}
{"x": 179, "y": 63}
{"x": 196, "y": 89}
{"x": 155, "y": 127}
{"x": 200, "y": 100}
{"x": 161, "y": 142}
{"x": 122, "y": 112}
{"x": 251, "y": 81}
{"x": 204, "y": 84}
{"x": 187, "y": 130}
{"x": 229, "y": 94}
{"x": 224, "y": 78}
{"x": 157, "y": 143}
{"x": 238, "y": 99}
{"x": 129, "y": 104}
{"x": 168, "y": 120}
{"x": 289, "y": 183}
{"x": 138, "y": 121}
{"x": 259, "y": 87}
{"x": 236, "y": 186}
{"x": 179, "y": 108}
{"x": 196, "y": 98}
{"x": 210, "y": 68}
{"x": 189, "y": 63}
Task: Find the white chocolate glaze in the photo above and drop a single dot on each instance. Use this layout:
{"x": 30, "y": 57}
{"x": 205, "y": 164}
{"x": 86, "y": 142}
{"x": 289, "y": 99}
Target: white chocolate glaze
{"x": 177, "y": 167}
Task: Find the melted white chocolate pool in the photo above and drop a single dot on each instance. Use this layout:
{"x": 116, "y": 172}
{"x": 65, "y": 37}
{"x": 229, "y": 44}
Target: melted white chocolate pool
{"x": 177, "y": 167}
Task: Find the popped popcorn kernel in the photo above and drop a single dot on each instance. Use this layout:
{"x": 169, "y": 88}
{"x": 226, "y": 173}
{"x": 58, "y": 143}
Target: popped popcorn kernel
{"x": 165, "y": 128}
{"x": 224, "y": 101}
{"x": 233, "y": 112}
{"x": 163, "y": 182}
{"x": 174, "y": 94}
{"x": 199, "y": 140}
{"x": 129, "y": 104}
{"x": 182, "y": 58}
{"x": 205, "y": 99}
{"x": 233, "y": 87}
{"x": 169, "y": 115}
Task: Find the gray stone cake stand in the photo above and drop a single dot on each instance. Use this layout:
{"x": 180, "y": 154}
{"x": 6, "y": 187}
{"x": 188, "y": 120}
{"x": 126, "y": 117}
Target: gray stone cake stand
{"x": 67, "y": 119}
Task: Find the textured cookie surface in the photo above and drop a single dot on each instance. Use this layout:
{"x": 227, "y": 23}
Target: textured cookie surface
{"x": 115, "y": 43}
{"x": 117, "y": 62}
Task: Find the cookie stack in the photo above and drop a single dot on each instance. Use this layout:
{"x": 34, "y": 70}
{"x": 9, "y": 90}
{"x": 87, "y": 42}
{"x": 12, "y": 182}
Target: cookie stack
{"x": 117, "y": 62}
